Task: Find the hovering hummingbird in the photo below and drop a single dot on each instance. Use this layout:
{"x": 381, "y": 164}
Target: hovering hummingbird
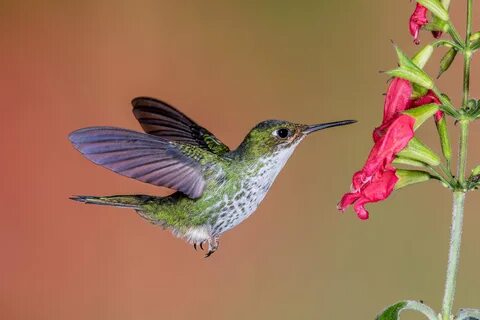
{"x": 216, "y": 188}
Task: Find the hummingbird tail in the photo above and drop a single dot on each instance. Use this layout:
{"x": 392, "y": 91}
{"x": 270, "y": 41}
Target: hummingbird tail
{"x": 129, "y": 201}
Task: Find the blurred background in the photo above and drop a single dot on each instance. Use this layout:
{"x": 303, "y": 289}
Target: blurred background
{"x": 227, "y": 64}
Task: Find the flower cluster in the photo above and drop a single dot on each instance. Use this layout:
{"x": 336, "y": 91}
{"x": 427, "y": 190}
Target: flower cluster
{"x": 377, "y": 179}
{"x": 410, "y": 100}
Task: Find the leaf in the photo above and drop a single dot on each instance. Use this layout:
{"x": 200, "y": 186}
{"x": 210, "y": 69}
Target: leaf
{"x": 393, "y": 312}
{"x": 468, "y": 314}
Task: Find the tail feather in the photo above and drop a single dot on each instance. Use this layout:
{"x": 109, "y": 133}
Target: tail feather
{"x": 130, "y": 201}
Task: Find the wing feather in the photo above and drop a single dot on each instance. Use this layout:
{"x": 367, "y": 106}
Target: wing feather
{"x": 160, "y": 119}
{"x": 142, "y": 157}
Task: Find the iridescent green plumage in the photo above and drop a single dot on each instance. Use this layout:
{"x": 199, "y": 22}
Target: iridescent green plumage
{"x": 216, "y": 188}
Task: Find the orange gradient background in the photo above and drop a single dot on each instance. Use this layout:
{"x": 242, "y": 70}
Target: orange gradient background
{"x": 227, "y": 64}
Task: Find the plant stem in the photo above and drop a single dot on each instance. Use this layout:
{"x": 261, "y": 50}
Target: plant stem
{"x": 462, "y": 153}
{"x": 454, "y": 33}
{"x": 454, "y": 253}
{"x": 459, "y": 195}
{"x": 467, "y": 55}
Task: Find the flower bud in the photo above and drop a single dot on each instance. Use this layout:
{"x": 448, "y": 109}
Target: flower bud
{"x": 408, "y": 177}
{"x": 476, "y": 171}
{"x": 422, "y": 56}
{"x": 416, "y": 150}
{"x": 447, "y": 60}
{"x": 436, "y": 8}
{"x": 444, "y": 139}
{"x": 422, "y": 113}
{"x": 475, "y": 176}
{"x": 475, "y": 36}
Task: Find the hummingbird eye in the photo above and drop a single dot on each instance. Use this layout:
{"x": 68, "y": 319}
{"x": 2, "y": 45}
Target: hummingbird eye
{"x": 282, "y": 133}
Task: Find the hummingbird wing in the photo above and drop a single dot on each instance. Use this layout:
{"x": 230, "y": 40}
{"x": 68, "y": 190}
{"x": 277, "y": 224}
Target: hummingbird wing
{"x": 145, "y": 157}
{"x": 162, "y": 120}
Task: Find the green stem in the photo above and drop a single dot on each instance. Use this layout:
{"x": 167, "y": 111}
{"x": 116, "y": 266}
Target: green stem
{"x": 467, "y": 57}
{"x": 446, "y": 104}
{"x": 458, "y": 195}
{"x": 454, "y": 254}
{"x": 454, "y": 33}
{"x": 446, "y": 43}
{"x": 446, "y": 170}
{"x": 462, "y": 153}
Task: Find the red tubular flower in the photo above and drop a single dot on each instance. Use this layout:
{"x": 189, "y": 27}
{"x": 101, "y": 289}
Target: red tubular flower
{"x": 417, "y": 20}
{"x": 377, "y": 179}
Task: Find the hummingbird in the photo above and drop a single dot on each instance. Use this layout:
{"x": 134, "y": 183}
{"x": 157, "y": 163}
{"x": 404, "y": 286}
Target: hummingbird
{"x": 215, "y": 188}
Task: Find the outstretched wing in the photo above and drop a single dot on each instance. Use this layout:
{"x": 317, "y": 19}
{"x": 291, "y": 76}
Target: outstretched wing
{"x": 143, "y": 157}
{"x": 162, "y": 120}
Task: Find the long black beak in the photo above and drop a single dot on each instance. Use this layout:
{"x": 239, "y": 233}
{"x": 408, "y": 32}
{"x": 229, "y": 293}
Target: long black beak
{"x": 321, "y": 126}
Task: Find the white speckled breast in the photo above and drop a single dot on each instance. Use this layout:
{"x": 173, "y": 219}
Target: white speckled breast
{"x": 258, "y": 180}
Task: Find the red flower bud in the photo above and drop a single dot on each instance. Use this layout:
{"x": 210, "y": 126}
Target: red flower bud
{"x": 417, "y": 20}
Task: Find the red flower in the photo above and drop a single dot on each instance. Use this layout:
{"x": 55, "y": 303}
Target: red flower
{"x": 417, "y": 20}
{"x": 377, "y": 179}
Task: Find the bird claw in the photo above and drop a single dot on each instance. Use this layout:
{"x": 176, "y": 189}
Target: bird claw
{"x": 201, "y": 245}
{"x": 212, "y": 246}
{"x": 195, "y": 246}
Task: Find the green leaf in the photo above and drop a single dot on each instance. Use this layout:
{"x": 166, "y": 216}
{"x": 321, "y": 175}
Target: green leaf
{"x": 468, "y": 314}
{"x": 393, "y": 312}
{"x": 436, "y": 8}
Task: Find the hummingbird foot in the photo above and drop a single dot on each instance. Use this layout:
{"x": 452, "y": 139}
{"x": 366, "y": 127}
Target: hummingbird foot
{"x": 201, "y": 245}
{"x": 212, "y": 246}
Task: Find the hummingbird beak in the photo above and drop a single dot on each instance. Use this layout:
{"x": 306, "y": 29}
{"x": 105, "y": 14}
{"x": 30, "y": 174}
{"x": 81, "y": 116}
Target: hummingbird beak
{"x": 321, "y": 126}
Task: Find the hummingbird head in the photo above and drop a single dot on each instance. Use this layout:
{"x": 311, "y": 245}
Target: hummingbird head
{"x": 274, "y": 136}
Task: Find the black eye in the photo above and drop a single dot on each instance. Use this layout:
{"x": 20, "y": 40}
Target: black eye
{"x": 283, "y": 133}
